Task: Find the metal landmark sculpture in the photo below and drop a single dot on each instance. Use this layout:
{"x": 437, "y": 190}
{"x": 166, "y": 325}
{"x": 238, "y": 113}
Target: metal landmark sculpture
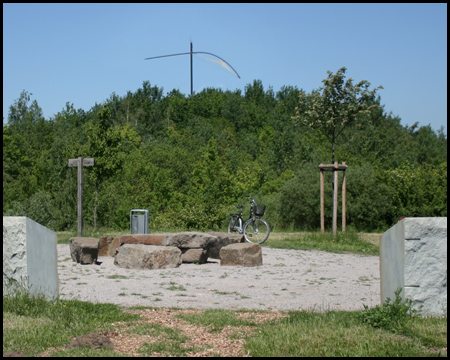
{"x": 220, "y": 62}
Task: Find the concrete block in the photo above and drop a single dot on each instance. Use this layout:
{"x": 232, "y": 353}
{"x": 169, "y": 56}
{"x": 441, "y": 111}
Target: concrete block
{"x": 413, "y": 256}
{"x": 29, "y": 257}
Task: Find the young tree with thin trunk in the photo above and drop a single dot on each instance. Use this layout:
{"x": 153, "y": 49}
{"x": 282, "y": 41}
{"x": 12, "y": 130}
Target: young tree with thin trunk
{"x": 335, "y": 106}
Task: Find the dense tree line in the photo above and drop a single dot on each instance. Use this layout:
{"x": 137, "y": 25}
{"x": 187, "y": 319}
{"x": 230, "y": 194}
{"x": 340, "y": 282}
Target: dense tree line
{"x": 190, "y": 159}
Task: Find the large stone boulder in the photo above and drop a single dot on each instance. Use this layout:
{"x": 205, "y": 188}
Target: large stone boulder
{"x": 189, "y": 240}
{"x": 146, "y": 239}
{"x": 223, "y": 239}
{"x": 244, "y": 254}
{"x": 139, "y": 256}
{"x": 199, "y": 256}
{"x": 108, "y": 245}
{"x": 84, "y": 250}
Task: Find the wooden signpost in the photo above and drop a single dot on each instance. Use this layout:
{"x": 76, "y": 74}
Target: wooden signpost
{"x": 80, "y": 162}
{"x": 334, "y": 168}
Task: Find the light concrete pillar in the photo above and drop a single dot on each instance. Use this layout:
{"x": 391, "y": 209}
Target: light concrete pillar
{"x": 413, "y": 256}
{"x": 29, "y": 257}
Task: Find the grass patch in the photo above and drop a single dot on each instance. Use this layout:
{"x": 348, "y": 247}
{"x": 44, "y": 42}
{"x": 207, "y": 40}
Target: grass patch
{"x": 174, "y": 287}
{"x": 63, "y": 237}
{"x": 215, "y": 319}
{"x": 117, "y": 277}
{"x": 32, "y": 324}
{"x": 340, "y": 333}
{"x": 350, "y": 241}
{"x": 167, "y": 348}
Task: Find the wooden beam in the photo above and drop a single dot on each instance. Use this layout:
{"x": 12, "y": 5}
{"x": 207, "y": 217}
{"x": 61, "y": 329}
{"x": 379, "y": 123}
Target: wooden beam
{"x": 335, "y": 200}
{"x": 79, "y": 163}
{"x": 322, "y": 201}
{"x": 344, "y": 201}
{"x": 333, "y": 166}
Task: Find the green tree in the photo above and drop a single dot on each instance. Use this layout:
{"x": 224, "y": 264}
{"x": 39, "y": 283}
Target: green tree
{"x": 108, "y": 146}
{"x": 417, "y": 190}
{"x": 335, "y": 106}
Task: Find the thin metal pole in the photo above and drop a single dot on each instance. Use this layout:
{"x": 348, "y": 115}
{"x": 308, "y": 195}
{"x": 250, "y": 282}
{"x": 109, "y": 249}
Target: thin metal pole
{"x": 192, "y": 85}
{"x": 192, "y": 63}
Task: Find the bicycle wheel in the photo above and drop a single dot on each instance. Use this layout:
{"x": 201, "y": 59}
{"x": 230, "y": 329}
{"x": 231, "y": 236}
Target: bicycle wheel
{"x": 256, "y": 230}
{"x": 233, "y": 225}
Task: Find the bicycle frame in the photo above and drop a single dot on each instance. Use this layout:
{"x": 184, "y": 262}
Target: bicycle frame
{"x": 238, "y": 225}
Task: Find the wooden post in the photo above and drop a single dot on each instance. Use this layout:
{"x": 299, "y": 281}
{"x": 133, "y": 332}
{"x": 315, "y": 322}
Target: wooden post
{"x": 335, "y": 197}
{"x": 80, "y": 162}
{"x": 322, "y": 200}
{"x": 344, "y": 201}
{"x": 334, "y": 168}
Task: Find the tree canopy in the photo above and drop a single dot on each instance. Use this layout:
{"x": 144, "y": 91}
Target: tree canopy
{"x": 337, "y": 105}
{"x": 190, "y": 159}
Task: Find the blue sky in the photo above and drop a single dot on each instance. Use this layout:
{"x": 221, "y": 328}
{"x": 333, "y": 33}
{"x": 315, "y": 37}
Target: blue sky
{"x": 82, "y": 53}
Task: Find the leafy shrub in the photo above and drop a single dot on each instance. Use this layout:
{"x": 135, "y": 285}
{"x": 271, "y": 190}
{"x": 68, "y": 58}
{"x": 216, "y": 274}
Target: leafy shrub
{"x": 390, "y": 316}
{"x": 38, "y": 208}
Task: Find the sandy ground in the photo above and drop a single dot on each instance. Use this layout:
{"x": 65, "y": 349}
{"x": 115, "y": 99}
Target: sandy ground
{"x": 287, "y": 280}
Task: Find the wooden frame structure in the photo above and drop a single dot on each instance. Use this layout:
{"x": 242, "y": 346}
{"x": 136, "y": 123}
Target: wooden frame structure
{"x": 79, "y": 163}
{"x": 334, "y": 168}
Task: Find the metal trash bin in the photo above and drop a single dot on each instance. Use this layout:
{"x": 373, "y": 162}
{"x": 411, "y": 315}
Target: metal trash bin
{"x": 139, "y": 223}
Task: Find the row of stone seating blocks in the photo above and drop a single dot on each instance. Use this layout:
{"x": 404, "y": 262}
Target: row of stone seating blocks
{"x": 159, "y": 251}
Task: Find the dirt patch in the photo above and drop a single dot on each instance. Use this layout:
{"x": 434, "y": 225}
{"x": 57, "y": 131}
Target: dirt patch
{"x": 13, "y": 354}
{"x": 95, "y": 341}
{"x": 124, "y": 341}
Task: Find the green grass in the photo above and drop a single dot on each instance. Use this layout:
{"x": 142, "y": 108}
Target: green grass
{"x": 347, "y": 242}
{"x": 340, "y": 333}
{"x": 215, "y": 319}
{"x": 88, "y": 231}
{"x": 32, "y": 325}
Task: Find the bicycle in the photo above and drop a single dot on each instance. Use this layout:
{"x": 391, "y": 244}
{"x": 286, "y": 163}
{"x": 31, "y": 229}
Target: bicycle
{"x": 255, "y": 229}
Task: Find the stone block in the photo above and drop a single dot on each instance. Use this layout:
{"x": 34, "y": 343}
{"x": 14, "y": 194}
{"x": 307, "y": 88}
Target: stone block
{"x": 189, "y": 240}
{"x": 139, "y": 256}
{"x": 146, "y": 239}
{"x": 108, "y": 245}
{"x": 84, "y": 250}
{"x": 29, "y": 257}
{"x": 413, "y": 256}
{"x": 223, "y": 239}
{"x": 244, "y": 254}
{"x": 199, "y": 256}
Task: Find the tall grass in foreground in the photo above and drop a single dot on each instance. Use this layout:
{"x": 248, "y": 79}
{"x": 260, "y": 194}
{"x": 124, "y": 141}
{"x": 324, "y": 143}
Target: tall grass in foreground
{"x": 340, "y": 333}
{"x": 32, "y": 325}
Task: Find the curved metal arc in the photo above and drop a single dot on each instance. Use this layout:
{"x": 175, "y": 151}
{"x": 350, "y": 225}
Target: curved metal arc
{"x": 202, "y": 52}
{"x": 195, "y": 52}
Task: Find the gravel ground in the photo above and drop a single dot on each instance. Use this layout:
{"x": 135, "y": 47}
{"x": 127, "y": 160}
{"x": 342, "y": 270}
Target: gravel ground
{"x": 287, "y": 280}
